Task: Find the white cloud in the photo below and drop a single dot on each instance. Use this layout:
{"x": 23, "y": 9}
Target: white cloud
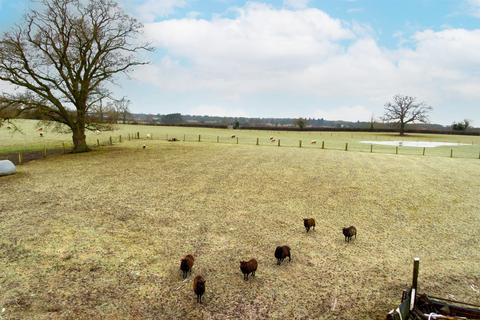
{"x": 474, "y": 7}
{"x": 218, "y": 111}
{"x": 296, "y": 4}
{"x": 269, "y": 52}
{"x": 152, "y": 9}
{"x": 354, "y": 113}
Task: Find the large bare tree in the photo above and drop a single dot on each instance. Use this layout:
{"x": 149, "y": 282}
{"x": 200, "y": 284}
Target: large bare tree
{"x": 404, "y": 110}
{"x": 62, "y": 58}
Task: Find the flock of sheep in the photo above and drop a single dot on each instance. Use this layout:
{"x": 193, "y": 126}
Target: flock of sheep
{"x": 250, "y": 266}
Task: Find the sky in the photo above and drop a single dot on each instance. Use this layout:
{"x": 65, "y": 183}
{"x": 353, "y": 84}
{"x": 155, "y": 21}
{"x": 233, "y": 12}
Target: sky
{"x": 337, "y": 60}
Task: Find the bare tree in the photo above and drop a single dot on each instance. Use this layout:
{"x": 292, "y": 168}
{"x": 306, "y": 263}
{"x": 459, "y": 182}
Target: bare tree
{"x": 404, "y": 110}
{"x": 63, "y": 56}
{"x": 122, "y": 107}
{"x": 300, "y": 122}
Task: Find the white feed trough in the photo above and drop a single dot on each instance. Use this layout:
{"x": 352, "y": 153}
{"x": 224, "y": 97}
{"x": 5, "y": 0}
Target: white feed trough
{"x": 7, "y": 167}
{"x": 418, "y": 144}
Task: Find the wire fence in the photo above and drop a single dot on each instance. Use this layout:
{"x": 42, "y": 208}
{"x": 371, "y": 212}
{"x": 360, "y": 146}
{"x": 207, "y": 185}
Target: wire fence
{"x": 25, "y": 154}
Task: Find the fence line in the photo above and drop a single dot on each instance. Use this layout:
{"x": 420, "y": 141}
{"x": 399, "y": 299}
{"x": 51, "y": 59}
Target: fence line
{"x": 20, "y": 157}
{"x": 325, "y": 145}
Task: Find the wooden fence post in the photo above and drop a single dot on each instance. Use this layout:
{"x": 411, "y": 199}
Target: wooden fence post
{"x": 416, "y": 266}
{"x": 323, "y": 144}
{"x": 63, "y": 145}
{"x": 199, "y": 138}
{"x": 299, "y": 143}
{"x": 138, "y": 135}
{"x": 257, "y": 145}
{"x": 129, "y": 137}
{"x": 371, "y": 148}
{"x": 120, "y": 139}
{"x": 423, "y": 151}
{"x": 396, "y": 150}
{"x": 218, "y": 139}
{"x": 44, "y": 150}
{"x": 20, "y": 158}
{"x": 346, "y": 146}
{"x": 237, "y": 140}
{"x": 98, "y": 143}
{"x": 279, "y": 142}
{"x": 111, "y": 142}
{"x": 167, "y": 137}
{"x": 184, "y": 137}
{"x": 451, "y": 153}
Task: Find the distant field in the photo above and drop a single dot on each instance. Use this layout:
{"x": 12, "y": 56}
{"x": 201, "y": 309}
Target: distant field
{"x": 99, "y": 235}
{"x": 30, "y": 139}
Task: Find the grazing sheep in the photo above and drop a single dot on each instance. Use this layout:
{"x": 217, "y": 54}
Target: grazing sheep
{"x": 281, "y": 253}
{"x": 186, "y": 264}
{"x": 149, "y": 136}
{"x": 349, "y": 233}
{"x": 41, "y": 135}
{"x": 173, "y": 139}
{"x": 248, "y": 267}
{"x": 309, "y": 223}
{"x": 199, "y": 287}
{"x": 273, "y": 140}
{"x": 97, "y": 132}
{"x": 313, "y": 142}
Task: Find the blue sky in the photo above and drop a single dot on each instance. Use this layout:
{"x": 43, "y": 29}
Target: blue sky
{"x": 288, "y": 58}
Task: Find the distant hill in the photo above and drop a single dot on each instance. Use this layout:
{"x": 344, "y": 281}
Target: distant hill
{"x": 275, "y": 123}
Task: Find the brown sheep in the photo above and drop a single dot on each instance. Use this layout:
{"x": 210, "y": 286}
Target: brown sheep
{"x": 309, "y": 223}
{"x": 233, "y": 136}
{"x": 199, "y": 287}
{"x": 186, "y": 265}
{"x": 281, "y": 253}
{"x": 248, "y": 267}
{"x": 41, "y": 134}
{"x": 349, "y": 233}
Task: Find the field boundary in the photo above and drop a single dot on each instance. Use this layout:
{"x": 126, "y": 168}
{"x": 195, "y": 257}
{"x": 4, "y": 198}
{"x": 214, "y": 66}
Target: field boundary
{"x": 22, "y": 156}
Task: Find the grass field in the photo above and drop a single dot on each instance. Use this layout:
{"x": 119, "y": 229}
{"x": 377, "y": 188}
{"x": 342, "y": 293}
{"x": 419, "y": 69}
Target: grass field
{"x": 100, "y": 235}
{"x": 30, "y": 140}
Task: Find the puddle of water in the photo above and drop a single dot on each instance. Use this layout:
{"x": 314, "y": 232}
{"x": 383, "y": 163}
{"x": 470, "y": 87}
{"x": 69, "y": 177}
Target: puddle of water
{"x": 418, "y": 144}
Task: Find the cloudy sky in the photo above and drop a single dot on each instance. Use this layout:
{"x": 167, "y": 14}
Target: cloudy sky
{"x": 332, "y": 59}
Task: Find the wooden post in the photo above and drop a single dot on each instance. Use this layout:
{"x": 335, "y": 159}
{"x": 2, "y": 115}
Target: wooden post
{"x": 184, "y": 138}
{"x": 120, "y": 138}
{"x": 167, "y": 137}
{"x": 371, "y": 148}
{"x": 257, "y": 145}
{"x": 299, "y": 143}
{"x": 323, "y": 144}
{"x": 129, "y": 137}
{"x": 416, "y": 266}
{"x": 63, "y": 145}
{"x": 346, "y": 146}
{"x": 20, "y": 158}
{"x": 279, "y": 142}
{"x": 111, "y": 142}
{"x": 451, "y": 153}
{"x": 44, "y": 150}
{"x": 396, "y": 150}
{"x": 423, "y": 151}
{"x": 237, "y": 140}
{"x": 218, "y": 139}
{"x": 98, "y": 143}
{"x": 138, "y": 135}
{"x": 199, "y": 138}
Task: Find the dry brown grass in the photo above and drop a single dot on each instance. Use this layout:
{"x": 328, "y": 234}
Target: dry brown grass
{"x": 100, "y": 235}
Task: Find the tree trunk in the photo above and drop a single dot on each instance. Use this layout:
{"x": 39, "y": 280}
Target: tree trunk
{"x": 402, "y": 129}
{"x": 79, "y": 139}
